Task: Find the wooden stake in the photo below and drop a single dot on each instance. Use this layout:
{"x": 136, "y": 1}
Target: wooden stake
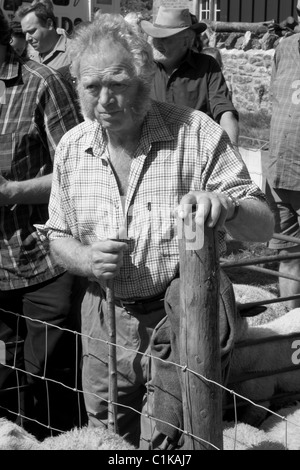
{"x": 199, "y": 341}
{"x": 112, "y": 358}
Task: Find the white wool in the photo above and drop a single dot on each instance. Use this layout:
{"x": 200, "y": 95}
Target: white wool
{"x": 14, "y": 437}
{"x": 285, "y": 430}
{"x": 266, "y": 357}
{"x": 245, "y": 293}
{"x": 241, "y": 436}
{"x": 86, "y": 438}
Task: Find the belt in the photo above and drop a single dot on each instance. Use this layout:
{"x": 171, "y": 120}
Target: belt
{"x": 127, "y": 303}
{"x": 136, "y": 302}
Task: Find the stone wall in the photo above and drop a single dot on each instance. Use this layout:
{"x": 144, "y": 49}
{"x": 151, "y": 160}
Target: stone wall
{"x": 248, "y": 75}
{"x": 247, "y": 60}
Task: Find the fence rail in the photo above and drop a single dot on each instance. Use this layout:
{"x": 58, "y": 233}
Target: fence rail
{"x": 200, "y": 354}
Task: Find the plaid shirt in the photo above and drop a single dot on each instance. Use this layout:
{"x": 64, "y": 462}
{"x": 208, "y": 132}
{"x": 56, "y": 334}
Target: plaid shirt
{"x": 180, "y": 150}
{"x": 36, "y": 110}
{"x": 283, "y": 162}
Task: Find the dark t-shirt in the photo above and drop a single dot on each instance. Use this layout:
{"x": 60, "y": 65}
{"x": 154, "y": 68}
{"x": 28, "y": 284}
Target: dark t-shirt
{"x": 198, "y": 83}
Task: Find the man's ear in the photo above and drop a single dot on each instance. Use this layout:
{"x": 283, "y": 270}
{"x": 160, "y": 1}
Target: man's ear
{"x": 50, "y": 24}
{"x": 189, "y": 41}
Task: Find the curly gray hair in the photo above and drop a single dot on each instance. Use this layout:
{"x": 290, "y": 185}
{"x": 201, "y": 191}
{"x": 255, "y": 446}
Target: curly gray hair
{"x": 107, "y": 26}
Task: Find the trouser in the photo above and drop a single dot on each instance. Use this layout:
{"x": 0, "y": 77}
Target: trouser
{"x": 133, "y": 333}
{"x": 41, "y": 357}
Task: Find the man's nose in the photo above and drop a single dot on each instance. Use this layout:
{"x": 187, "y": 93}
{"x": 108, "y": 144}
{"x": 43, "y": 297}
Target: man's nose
{"x": 105, "y": 96}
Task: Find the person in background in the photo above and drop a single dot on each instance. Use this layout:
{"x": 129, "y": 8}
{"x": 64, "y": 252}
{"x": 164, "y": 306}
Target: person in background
{"x": 152, "y": 161}
{"x": 281, "y": 166}
{"x": 38, "y": 298}
{"x": 18, "y": 39}
{"x": 39, "y": 25}
{"x": 185, "y": 77}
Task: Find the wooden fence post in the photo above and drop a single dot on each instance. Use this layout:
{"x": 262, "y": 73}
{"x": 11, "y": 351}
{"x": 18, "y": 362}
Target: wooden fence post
{"x": 112, "y": 358}
{"x": 199, "y": 340}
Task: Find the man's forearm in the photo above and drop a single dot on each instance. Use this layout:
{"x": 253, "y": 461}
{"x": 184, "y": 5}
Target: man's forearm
{"x": 230, "y": 124}
{"x": 255, "y": 222}
{"x": 72, "y": 255}
{"x": 33, "y": 191}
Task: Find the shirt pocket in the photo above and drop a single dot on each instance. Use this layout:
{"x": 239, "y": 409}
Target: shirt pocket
{"x": 164, "y": 229}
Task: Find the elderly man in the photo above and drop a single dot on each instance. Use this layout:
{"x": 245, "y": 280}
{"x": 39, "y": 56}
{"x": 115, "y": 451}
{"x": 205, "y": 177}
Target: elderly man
{"x": 119, "y": 179}
{"x": 184, "y": 76}
{"x": 50, "y": 45}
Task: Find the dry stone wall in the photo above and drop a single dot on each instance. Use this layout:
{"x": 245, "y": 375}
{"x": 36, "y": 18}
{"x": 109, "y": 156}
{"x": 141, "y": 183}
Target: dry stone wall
{"x": 247, "y": 60}
{"x": 248, "y": 75}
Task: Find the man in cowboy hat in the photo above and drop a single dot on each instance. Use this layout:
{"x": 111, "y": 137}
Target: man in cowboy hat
{"x": 185, "y": 77}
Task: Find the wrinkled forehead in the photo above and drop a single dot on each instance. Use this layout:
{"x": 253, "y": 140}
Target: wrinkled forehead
{"x": 109, "y": 59}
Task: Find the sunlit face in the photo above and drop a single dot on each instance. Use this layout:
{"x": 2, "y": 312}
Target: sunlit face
{"x": 36, "y": 34}
{"x": 108, "y": 89}
{"x": 169, "y": 51}
{"x": 19, "y": 44}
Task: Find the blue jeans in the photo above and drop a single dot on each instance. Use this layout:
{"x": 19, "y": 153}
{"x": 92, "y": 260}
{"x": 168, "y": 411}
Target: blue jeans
{"x": 42, "y": 351}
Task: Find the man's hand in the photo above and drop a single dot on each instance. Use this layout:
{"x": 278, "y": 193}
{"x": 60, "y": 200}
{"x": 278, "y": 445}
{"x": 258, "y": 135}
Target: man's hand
{"x": 211, "y": 208}
{"x": 107, "y": 258}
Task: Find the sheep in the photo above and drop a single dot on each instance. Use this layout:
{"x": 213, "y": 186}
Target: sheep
{"x": 87, "y": 438}
{"x": 242, "y": 436}
{"x": 14, "y": 437}
{"x": 258, "y": 315}
{"x": 280, "y": 431}
{"x": 258, "y": 353}
{"x": 284, "y": 430}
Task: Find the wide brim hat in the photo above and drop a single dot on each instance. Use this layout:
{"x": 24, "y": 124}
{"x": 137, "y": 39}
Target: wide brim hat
{"x": 171, "y": 21}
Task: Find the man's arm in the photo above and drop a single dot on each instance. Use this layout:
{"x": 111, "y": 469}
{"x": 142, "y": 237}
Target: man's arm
{"x": 101, "y": 260}
{"x": 230, "y": 124}
{"x": 254, "y": 220}
{"x": 33, "y": 191}
{"x": 221, "y": 106}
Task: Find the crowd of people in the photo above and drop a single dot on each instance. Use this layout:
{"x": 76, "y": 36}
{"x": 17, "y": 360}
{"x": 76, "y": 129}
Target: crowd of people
{"x": 96, "y": 167}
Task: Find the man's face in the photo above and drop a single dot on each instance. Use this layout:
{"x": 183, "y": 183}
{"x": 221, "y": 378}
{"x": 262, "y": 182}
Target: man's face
{"x": 169, "y": 51}
{"x": 108, "y": 89}
{"x": 36, "y": 34}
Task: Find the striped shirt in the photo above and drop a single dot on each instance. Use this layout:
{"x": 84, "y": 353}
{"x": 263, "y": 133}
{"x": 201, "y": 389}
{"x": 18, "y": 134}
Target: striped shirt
{"x": 36, "y": 110}
{"x": 180, "y": 150}
{"x": 282, "y": 167}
